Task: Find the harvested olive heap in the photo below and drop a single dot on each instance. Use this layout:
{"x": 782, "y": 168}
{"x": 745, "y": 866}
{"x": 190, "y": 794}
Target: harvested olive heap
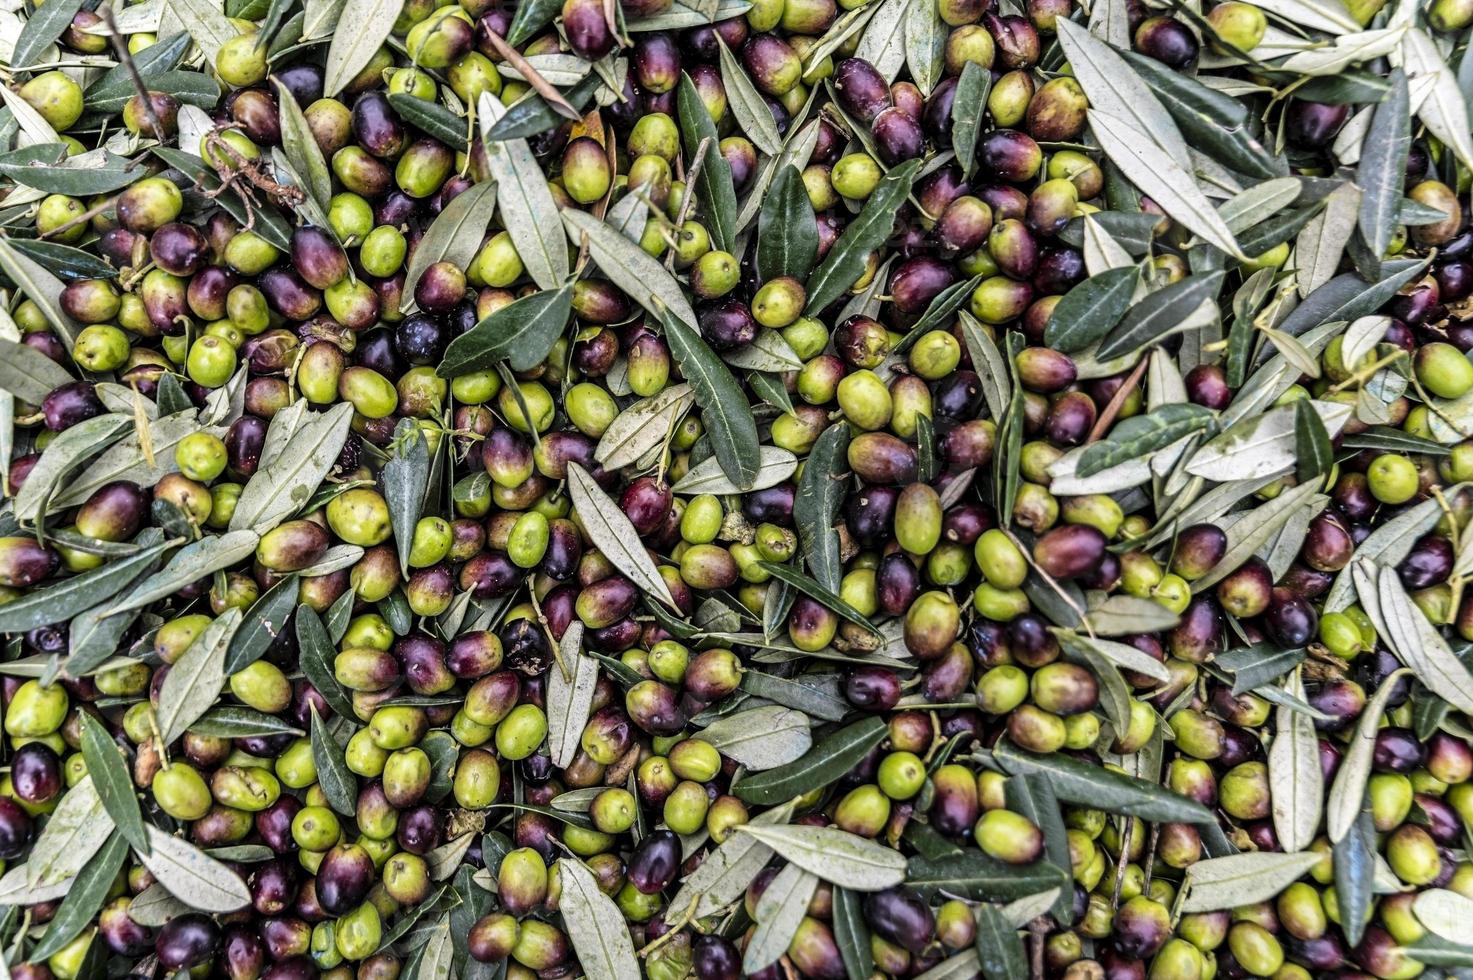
{"x": 736, "y": 488}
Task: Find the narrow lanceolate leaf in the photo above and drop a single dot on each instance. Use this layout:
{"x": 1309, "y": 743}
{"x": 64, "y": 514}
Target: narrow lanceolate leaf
{"x": 925, "y": 45}
{"x": 779, "y": 912}
{"x": 714, "y": 187}
{"x": 1248, "y": 536}
{"x": 1000, "y": 953}
{"x": 84, "y": 898}
{"x": 747, "y": 105}
{"x": 1387, "y": 545}
{"x": 830, "y": 759}
{"x": 1295, "y": 779}
{"x": 774, "y": 466}
{"x": 27, "y": 373}
{"x": 112, "y": 781}
{"x": 1161, "y": 314}
{"x": 814, "y": 590}
{"x": 816, "y": 506}
{"x": 436, "y": 120}
{"x": 883, "y": 42}
{"x": 1381, "y": 172}
{"x": 729, "y": 422}
{"x": 836, "y": 856}
{"x": 366, "y": 25}
{"x": 569, "y": 698}
{"x": 316, "y": 658}
{"x": 642, "y": 426}
{"x": 1113, "y": 87}
{"x": 1088, "y": 785}
{"x": 75, "y": 831}
{"x": 979, "y": 877}
{"x": 338, "y": 783}
{"x": 1155, "y": 173}
{"x": 1349, "y": 789}
{"x": 197, "y": 678}
{"x": 192, "y": 876}
{"x": 263, "y": 623}
{"x": 281, "y": 487}
{"x": 454, "y": 236}
{"x": 207, "y": 24}
{"x": 628, "y": 266}
{"x": 1443, "y": 110}
{"x": 846, "y": 258}
{"x": 527, "y": 208}
{"x": 1312, "y": 450}
{"x": 126, "y": 460}
{"x": 727, "y": 871}
{"x": 43, "y": 28}
{"x": 595, "y": 925}
{"x": 69, "y": 597}
{"x": 405, "y": 477}
{"x": 1260, "y": 446}
{"x": 40, "y": 287}
{"x": 1420, "y": 646}
{"x": 1242, "y": 879}
{"x": 787, "y": 229}
{"x": 190, "y": 564}
{"x": 852, "y": 934}
{"x": 612, "y": 533}
{"x": 1141, "y": 435}
{"x": 437, "y": 957}
{"x": 1445, "y": 913}
{"x": 760, "y": 739}
{"x": 302, "y": 151}
{"x": 972, "y": 89}
{"x": 521, "y": 333}
{"x": 1320, "y": 245}
{"x": 1091, "y": 309}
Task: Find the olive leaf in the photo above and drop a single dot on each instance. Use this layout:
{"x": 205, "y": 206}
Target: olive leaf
{"x": 454, "y": 236}
{"x": 1000, "y": 953}
{"x": 264, "y": 621}
{"x": 1296, "y": 781}
{"x": 763, "y": 738}
{"x": 1313, "y": 453}
{"x": 1446, "y": 914}
{"x": 27, "y": 373}
{"x": 976, "y": 876}
{"x": 1247, "y": 536}
{"x": 367, "y": 25}
{"x": 818, "y": 695}
{"x": 44, "y": 28}
{"x": 925, "y": 45}
{"x": 612, "y": 534}
{"x": 528, "y": 210}
{"x": 817, "y": 592}
{"x": 301, "y": 150}
{"x": 1088, "y": 785}
{"x": 778, "y": 914}
{"x": 1142, "y": 435}
{"x": 774, "y": 466}
{"x": 883, "y": 42}
{"x": 830, "y": 759}
{"x": 969, "y": 110}
{"x": 192, "y": 876}
{"x": 787, "y": 229}
{"x": 406, "y": 475}
{"x": 642, "y": 426}
{"x": 1354, "y": 860}
{"x": 569, "y": 699}
{"x": 1168, "y": 311}
{"x": 729, "y": 422}
{"x": 126, "y": 459}
{"x": 521, "y": 333}
{"x": 1347, "y": 792}
{"x": 836, "y": 856}
{"x": 283, "y": 485}
{"x": 339, "y": 786}
{"x": 1262, "y": 445}
{"x": 1113, "y": 87}
{"x": 75, "y": 831}
{"x": 816, "y": 505}
{"x": 769, "y": 352}
{"x": 628, "y": 266}
{"x": 1443, "y": 109}
{"x": 1381, "y": 171}
{"x": 434, "y": 120}
{"x": 70, "y": 597}
{"x": 189, "y": 564}
{"x": 112, "y": 781}
{"x": 746, "y": 103}
{"x": 796, "y": 151}
{"x": 84, "y": 898}
{"x": 196, "y": 678}
{"x": 1417, "y": 643}
{"x": 852, "y": 934}
{"x": 1091, "y": 309}
{"x": 209, "y": 27}
{"x": 1242, "y": 879}
{"x": 846, "y": 258}
{"x": 236, "y": 721}
{"x": 39, "y": 286}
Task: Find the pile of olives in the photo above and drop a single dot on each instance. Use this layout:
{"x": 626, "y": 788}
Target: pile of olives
{"x": 761, "y": 488}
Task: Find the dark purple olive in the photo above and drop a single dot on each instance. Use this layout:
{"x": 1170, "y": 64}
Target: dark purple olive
{"x": 860, "y": 89}
{"x": 727, "y": 324}
{"x": 1429, "y": 562}
{"x": 35, "y": 772}
{"x": 898, "y": 136}
{"x": 317, "y": 257}
{"x": 344, "y": 878}
{"x": 655, "y": 862}
{"x": 1312, "y": 125}
{"x": 376, "y": 127}
{"x": 69, "y": 404}
{"x": 1168, "y": 41}
{"x": 587, "y": 29}
{"x": 1069, "y": 550}
{"x": 186, "y": 941}
{"x": 179, "y": 249}
{"x": 899, "y": 915}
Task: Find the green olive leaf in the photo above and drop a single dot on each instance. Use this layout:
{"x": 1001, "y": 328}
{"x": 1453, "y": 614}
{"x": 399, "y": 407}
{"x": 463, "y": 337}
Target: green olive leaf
{"x": 845, "y": 261}
{"x": 454, "y": 236}
{"x": 522, "y": 333}
{"x": 338, "y": 783}
{"x": 113, "y": 782}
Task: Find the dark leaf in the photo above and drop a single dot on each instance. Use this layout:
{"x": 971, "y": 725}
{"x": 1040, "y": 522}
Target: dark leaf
{"x": 852, "y": 933}
{"x": 338, "y": 783}
{"x": 432, "y": 118}
{"x": 1133, "y": 230}
{"x": 1312, "y": 450}
{"x": 532, "y": 115}
{"x": 816, "y": 507}
{"x": 64, "y": 261}
{"x": 714, "y": 188}
{"x": 405, "y": 477}
{"x": 531, "y": 17}
{"x": 818, "y": 593}
{"x": 787, "y": 229}
{"x": 845, "y": 261}
{"x": 939, "y": 311}
{"x": 1160, "y": 314}
{"x": 724, "y": 409}
{"x": 970, "y": 108}
{"x": 828, "y": 760}
{"x": 113, "y": 781}
{"x": 45, "y": 26}
{"x": 1280, "y": 228}
{"x": 316, "y": 658}
{"x": 84, "y": 898}
{"x": 981, "y": 878}
{"x": 1142, "y": 435}
{"x": 999, "y": 948}
{"x": 1255, "y": 666}
{"x": 60, "y": 602}
{"x": 521, "y": 333}
{"x": 1091, "y": 309}
{"x": 1090, "y": 785}
{"x": 237, "y": 721}
{"x": 1354, "y": 863}
{"x": 263, "y": 623}
{"x": 1034, "y": 798}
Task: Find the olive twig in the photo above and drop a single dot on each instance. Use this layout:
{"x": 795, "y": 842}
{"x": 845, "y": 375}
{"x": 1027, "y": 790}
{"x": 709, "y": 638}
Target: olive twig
{"x": 126, "y": 58}
{"x": 685, "y": 919}
{"x": 1116, "y": 403}
{"x": 530, "y": 75}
